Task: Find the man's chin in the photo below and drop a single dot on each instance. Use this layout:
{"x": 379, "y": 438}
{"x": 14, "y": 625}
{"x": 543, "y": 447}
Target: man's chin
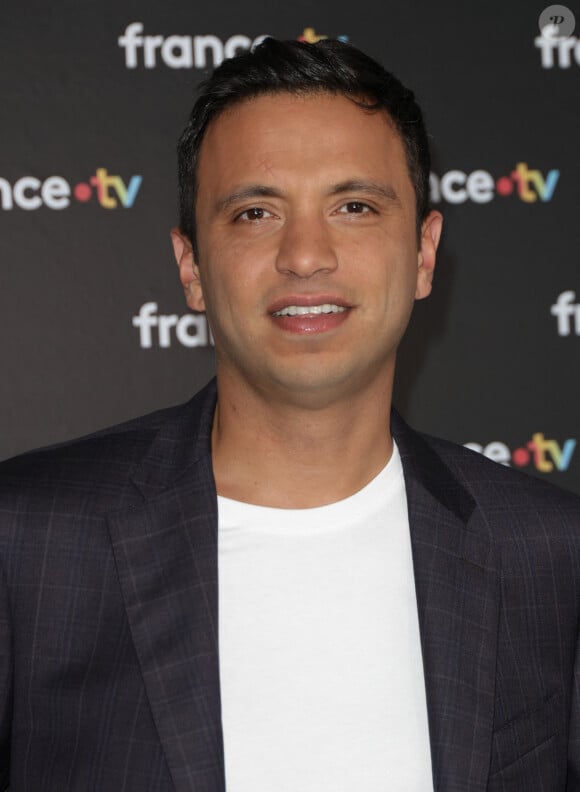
{"x": 315, "y": 389}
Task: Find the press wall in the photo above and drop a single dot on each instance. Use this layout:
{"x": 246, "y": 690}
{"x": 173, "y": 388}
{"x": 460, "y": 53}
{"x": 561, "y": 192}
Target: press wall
{"x": 94, "y": 327}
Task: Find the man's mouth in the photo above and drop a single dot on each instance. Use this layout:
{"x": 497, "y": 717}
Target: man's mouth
{"x": 309, "y": 314}
{"x": 306, "y": 310}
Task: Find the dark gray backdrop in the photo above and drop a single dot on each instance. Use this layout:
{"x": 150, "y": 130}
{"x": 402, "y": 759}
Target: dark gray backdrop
{"x": 483, "y": 361}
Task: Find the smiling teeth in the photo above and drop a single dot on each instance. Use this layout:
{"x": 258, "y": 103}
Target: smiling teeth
{"x": 304, "y": 310}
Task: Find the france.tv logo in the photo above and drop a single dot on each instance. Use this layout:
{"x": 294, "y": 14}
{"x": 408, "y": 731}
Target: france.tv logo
{"x": 545, "y": 454}
{"x": 479, "y": 186}
{"x": 109, "y": 191}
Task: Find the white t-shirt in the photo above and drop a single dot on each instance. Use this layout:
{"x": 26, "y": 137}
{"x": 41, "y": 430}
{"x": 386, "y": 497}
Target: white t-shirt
{"x": 321, "y": 674}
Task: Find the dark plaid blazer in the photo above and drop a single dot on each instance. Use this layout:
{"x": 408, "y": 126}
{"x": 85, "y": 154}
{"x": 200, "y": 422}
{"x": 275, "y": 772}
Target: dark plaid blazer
{"x": 108, "y": 615}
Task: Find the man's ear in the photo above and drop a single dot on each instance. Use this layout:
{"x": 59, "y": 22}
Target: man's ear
{"x": 188, "y": 270}
{"x": 430, "y": 236}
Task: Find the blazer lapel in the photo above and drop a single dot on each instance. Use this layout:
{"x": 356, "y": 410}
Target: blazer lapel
{"x": 457, "y": 584}
{"x": 166, "y": 554}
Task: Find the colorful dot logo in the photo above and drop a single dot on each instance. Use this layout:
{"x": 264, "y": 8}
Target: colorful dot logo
{"x": 521, "y": 457}
{"x": 504, "y": 186}
{"x": 82, "y": 192}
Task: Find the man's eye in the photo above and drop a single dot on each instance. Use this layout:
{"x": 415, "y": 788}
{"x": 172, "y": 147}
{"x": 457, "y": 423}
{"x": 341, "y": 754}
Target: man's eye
{"x": 255, "y": 213}
{"x": 355, "y": 207}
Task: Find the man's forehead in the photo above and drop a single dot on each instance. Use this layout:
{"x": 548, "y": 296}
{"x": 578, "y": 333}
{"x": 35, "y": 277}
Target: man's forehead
{"x": 284, "y": 112}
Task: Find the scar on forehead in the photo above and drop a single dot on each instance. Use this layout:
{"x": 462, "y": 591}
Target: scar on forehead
{"x": 266, "y": 165}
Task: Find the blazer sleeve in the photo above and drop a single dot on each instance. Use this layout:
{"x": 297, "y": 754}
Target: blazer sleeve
{"x": 573, "y": 784}
{"x": 5, "y": 682}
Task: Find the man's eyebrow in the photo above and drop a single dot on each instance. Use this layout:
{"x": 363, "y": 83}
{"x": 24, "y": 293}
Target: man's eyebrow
{"x": 378, "y": 189}
{"x": 243, "y": 194}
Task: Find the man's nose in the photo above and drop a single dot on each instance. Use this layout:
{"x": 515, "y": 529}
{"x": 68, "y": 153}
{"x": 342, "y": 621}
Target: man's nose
{"x": 306, "y": 247}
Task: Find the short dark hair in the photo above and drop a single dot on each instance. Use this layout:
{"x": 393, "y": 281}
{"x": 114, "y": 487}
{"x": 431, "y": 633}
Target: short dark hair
{"x": 296, "y": 67}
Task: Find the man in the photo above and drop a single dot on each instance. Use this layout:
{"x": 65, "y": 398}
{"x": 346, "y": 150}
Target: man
{"x": 280, "y": 586}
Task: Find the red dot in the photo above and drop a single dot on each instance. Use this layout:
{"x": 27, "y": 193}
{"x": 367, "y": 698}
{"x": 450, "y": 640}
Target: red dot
{"x": 521, "y": 457}
{"x": 82, "y": 192}
{"x": 504, "y": 185}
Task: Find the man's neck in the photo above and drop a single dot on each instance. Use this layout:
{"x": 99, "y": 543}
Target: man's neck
{"x": 289, "y": 456}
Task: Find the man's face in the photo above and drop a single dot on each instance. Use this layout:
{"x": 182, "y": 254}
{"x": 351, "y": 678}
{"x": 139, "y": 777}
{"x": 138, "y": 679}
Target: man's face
{"x": 307, "y": 259}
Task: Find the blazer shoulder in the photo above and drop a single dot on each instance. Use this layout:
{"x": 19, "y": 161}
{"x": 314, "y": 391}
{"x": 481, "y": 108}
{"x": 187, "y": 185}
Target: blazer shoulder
{"x": 94, "y": 468}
